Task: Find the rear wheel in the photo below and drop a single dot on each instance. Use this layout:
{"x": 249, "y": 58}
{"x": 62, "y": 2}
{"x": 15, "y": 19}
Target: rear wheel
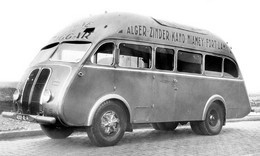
{"x": 167, "y": 126}
{"x": 195, "y": 127}
{"x": 109, "y": 124}
{"x": 56, "y": 132}
{"x": 213, "y": 122}
{"x": 155, "y": 126}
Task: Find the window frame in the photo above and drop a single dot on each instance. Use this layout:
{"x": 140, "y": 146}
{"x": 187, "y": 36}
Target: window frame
{"x": 237, "y": 69}
{"x": 97, "y": 48}
{"x": 176, "y": 50}
{"x": 135, "y": 43}
{"x": 190, "y": 52}
{"x": 174, "y": 58}
{"x": 213, "y": 73}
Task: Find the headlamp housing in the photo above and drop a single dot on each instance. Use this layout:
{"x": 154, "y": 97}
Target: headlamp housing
{"x": 16, "y": 95}
{"x": 46, "y": 96}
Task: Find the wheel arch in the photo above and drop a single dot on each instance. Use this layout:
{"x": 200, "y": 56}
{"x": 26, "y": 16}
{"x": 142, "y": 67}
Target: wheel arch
{"x": 114, "y": 97}
{"x": 220, "y": 101}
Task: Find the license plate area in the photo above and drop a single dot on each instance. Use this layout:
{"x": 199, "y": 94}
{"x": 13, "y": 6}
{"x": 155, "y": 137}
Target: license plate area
{"x": 23, "y": 117}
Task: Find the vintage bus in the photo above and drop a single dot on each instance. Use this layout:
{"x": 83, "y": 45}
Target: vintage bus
{"x": 108, "y": 72}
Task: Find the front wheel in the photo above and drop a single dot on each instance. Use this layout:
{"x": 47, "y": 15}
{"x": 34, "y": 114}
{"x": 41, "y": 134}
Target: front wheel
{"x": 56, "y": 132}
{"x": 109, "y": 124}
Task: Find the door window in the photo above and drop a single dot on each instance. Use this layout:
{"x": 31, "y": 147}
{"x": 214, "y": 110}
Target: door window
{"x": 104, "y": 54}
{"x": 135, "y": 56}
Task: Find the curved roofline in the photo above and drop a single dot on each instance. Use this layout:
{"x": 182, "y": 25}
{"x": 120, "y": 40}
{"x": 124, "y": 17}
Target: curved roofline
{"x": 142, "y": 28}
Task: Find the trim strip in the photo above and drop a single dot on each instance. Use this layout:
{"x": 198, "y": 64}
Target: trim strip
{"x": 160, "y": 72}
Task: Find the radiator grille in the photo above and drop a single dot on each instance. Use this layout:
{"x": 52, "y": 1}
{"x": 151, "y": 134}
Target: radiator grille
{"x": 33, "y": 89}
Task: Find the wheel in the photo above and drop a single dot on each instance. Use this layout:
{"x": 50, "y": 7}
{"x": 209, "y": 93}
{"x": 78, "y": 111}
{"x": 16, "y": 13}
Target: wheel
{"x": 167, "y": 126}
{"x": 213, "y": 122}
{"x": 155, "y": 126}
{"x": 56, "y": 132}
{"x": 195, "y": 127}
{"x": 109, "y": 124}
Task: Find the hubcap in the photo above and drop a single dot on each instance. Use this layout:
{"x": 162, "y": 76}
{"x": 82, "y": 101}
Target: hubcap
{"x": 213, "y": 118}
{"x": 110, "y": 123}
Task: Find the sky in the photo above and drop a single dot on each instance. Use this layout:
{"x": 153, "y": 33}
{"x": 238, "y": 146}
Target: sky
{"x": 26, "y": 26}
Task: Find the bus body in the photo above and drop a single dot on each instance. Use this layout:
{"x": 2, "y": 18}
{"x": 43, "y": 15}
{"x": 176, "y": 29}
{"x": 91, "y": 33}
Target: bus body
{"x": 108, "y": 72}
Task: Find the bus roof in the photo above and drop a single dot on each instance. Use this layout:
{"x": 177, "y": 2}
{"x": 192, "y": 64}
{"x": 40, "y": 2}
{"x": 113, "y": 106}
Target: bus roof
{"x": 146, "y": 29}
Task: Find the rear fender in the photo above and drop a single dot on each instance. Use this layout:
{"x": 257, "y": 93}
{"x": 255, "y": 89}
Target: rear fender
{"x": 210, "y": 101}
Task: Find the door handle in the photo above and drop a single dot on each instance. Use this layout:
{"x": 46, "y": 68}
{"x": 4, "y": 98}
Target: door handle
{"x": 175, "y": 81}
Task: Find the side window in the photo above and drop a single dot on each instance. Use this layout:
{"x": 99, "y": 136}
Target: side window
{"x": 189, "y": 62}
{"x": 213, "y": 65}
{"x": 230, "y": 69}
{"x": 164, "y": 59}
{"x": 135, "y": 56}
{"x": 104, "y": 54}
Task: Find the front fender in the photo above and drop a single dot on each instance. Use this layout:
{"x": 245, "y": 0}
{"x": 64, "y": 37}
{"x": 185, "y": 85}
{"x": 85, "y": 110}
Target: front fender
{"x": 103, "y": 99}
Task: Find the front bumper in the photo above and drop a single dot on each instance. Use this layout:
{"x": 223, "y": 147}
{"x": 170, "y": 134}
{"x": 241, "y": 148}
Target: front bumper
{"x": 30, "y": 118}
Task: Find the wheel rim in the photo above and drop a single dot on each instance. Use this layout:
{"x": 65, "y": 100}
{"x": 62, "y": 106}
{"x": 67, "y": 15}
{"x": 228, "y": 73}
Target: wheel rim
{"x": 110, "y": 123}
{"x": 213, "y": 118}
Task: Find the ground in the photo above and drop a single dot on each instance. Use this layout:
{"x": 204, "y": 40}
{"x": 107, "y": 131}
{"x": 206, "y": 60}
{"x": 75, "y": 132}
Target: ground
{"x": 235, "y": 139}
{"x": 7, "y": 124}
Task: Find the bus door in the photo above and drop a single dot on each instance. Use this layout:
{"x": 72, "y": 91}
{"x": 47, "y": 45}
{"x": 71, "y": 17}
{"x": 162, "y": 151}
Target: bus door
{"x": 133, "y": 79}
{"x": 192, "y": 86}
{"x": 165, "y": 85}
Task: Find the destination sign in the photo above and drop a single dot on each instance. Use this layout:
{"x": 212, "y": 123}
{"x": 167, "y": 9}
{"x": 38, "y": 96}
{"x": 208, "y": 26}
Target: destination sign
{"x": 176, "y": 37}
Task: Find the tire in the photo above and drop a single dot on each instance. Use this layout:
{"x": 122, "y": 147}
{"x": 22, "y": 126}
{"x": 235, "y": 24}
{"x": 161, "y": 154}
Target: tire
{"x": 212, "y": 125}
{"x": 109, "y": 124}
{"x": 56, "y": 132}
{"x": 167, "y": 126}
{"x": 195, "y": 127}
{"x": 155, "y": 126}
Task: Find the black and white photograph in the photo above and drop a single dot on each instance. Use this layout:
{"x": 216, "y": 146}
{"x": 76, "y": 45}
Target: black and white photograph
{"x": 129, "y": 77}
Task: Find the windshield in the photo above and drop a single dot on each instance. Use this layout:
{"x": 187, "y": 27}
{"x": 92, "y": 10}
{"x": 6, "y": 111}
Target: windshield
{"x": 44, "y": 54}
{"x": 70, "y": 51}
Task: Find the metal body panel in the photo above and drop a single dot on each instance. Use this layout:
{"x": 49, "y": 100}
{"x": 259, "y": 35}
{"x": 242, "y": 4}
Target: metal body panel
{"x": 210, "y": 101}
{"x": 83, "y": 93}
{"x": 103, "y": 99}
{"x": 196, "y": 92}
{"x": 136, "y": 88}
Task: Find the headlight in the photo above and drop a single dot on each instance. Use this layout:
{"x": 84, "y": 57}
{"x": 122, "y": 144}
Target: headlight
{"x": 16, "y": 95}
{"x": 46, "y": 96}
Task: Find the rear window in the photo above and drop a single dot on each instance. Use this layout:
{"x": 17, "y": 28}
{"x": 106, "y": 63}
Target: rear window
{"x": 230, "y": 69}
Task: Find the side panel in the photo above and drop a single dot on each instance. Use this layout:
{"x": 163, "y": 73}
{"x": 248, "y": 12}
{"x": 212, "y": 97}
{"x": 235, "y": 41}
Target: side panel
{"x": 152, "y": 97}
{"x": 85, "y": 91}
{"x": 136, "y": 87}
{"x": 194, "y": 92}
{"x": 164, "y": 95}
